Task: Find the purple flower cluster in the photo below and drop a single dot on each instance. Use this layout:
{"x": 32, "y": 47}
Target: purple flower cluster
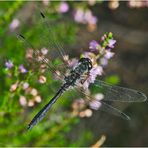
{"x": 63, "y": 7}
{"x": 9, "y": 64}
{"x": 137, "y": 4}
{"x": 100, "y": 53}
{"x": 15, "y": 71}
{"x": 80, "y": 14}
{"x": 93, "y": 45}
{"x": 84, "y": 16}
{"x": 22, "y": 69}
{"x": 94, "y": 72}
{"x": 14, "y": 24}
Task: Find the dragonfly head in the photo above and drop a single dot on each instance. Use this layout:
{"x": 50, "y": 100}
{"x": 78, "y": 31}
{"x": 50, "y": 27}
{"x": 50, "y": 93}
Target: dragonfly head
{"x": 87, "y": 62}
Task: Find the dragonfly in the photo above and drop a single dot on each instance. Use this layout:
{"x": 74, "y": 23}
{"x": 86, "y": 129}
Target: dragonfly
{"x": 75, "y": 79}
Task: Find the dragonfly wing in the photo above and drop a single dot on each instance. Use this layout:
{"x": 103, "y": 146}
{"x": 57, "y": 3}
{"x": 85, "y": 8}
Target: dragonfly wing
{"x": 101, "y": 105}
{"x": 45, "y": 29}
{"x": 111, "y": 110}
{"x": 116, "y": 93}
{"x": 35, "y": 55}
{"x": 50, "y": 39}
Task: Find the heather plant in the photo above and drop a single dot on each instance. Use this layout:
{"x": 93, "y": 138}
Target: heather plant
{"x": 27, "y": 83}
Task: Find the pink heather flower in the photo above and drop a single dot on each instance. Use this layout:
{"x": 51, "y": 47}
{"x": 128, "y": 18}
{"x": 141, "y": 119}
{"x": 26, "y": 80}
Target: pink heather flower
{"x": 14, "y": 24}
{"x": 22, "y": 101}
{"x": 44, "y": 51}
{"x": 14, "y": 87}
{"x": 111, "y": 43}
{"x": 85, "y": 113}
{"x": 34, "y": 92}
{"x": 88, "y": 112}
{"x": 25, "y": 85}
{"x": 22, "y": 69}
{"x": 99, "y": 96}
{"x": 93, "y": 45}
{"x": 108, "y": 54}
{"x": 94, "y": 72}
{"x": 93, "y": 20}
{"x": 95, "y": 104}
{"x": 103, "y": 61}
{"x": 31, "y": 103}
{"x": 42, "y": 79}
{"x": 86, "y": 84}
{"x": 63, "y": 8}
{"x": 29, "y": 53}
{"x": 73, "y": 62}
{"x": 91, "y": 2}
{"x": 9, "y": 64}
{"x": 84, "y": 17}
{"x": 137, "y": 4}
{"x": 103, "y": 37}
{"x": 88, "y": 16}
{"x": 79, "y": 16}
{"x": 45, "y": 2}
{"x": 38, "y": 99}
{"x": 86, "y": 55}
{"x": 78, "y": 104}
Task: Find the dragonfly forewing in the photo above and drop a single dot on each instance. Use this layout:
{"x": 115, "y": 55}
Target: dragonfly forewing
{"x": 117, "y": 93}
{"x": 50, "y": 38}
{"x": 39, "y": 60}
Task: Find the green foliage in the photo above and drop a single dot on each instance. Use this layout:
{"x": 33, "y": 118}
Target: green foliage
{"x": 84, "y": 138}
{"x": 113, "y": 79}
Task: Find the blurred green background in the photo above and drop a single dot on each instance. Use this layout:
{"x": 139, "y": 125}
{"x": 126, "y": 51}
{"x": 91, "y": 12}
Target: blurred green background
{"x": 127, "y": 21}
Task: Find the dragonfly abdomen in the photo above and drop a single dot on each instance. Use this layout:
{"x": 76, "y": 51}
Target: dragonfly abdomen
{"x": 40, "y": 115}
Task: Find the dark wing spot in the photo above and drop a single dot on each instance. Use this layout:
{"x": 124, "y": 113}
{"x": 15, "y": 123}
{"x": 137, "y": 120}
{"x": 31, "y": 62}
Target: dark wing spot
{"x": 139, "y": 92}
{"x": 43, "y": 16}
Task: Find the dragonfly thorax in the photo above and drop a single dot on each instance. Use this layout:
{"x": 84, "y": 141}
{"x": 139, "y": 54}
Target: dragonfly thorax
{"x": 82, "y": 68}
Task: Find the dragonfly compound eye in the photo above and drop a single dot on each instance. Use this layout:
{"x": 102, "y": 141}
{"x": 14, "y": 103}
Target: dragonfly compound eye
{"x": 87, "y": 62}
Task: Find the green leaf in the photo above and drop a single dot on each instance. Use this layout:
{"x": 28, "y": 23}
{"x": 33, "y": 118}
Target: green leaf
{"x": 114, "y": 79}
